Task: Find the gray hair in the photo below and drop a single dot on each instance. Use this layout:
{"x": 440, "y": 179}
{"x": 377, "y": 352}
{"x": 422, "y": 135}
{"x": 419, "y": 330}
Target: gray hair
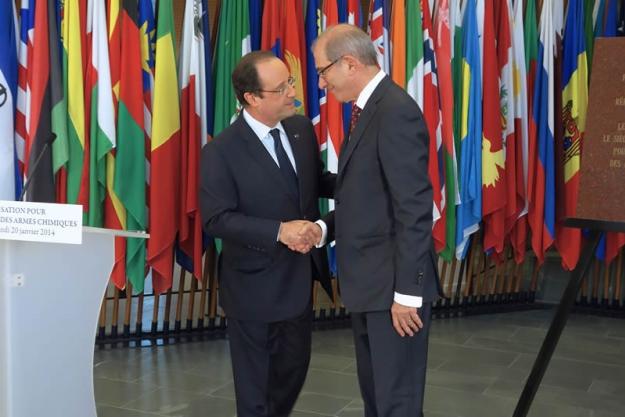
{"x": 345, "y": 39}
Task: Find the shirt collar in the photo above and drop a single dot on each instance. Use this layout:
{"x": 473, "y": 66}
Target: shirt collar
{"x": 366, "y": 92}
{"x": 260, "y": 129}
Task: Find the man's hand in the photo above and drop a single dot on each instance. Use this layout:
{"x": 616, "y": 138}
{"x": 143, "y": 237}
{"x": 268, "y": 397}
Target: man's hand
{"x": 311, "y": 233}
{"x": 406, "y": 320}
{"x": 299, "y": 235}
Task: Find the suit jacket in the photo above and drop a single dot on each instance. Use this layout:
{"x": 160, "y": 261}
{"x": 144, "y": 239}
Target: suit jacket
{"x": 382, "y": 220}
{"x": 243, "y": 199}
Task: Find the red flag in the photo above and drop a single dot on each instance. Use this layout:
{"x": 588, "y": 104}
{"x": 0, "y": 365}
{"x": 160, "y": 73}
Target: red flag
{"x": 493, "y": 153}
{"x": 272, "y": 27}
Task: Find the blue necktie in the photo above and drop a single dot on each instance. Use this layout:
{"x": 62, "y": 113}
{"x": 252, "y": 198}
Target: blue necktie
{"x": 285, "y": 165}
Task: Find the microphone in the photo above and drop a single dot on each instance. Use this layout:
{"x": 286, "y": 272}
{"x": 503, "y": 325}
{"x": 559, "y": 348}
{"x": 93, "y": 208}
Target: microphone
{"x": 44, "y": 148}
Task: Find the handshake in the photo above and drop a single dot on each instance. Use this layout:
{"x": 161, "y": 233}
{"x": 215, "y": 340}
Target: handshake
{"x": 300, "y": 235}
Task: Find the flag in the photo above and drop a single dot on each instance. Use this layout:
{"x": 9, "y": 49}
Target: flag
{"x": 272, "y": 29}
{"x": 398, "y": 43}
{"x": 165, "y": 162}
{"x": 313, "y": 92}
{"x": 294, "y": 54}
{"x": 541, "y": 182}
{"x": 414, "y": 47}
{"x": 442, "y": 50}
{"x": 432, "y": 115}
{"x": 379, "y": 12}
{"x": 22, "y": 111}
{"x": 331, "y": 112}
{"x": 129, "y": 181}
{"x": 114, "y": 211}
{"x": 518, "y": 186}
{"x": 493, "y": 151}
{"x": 208, "y": 68}
{"x": 103, "y": 132}
{"x": 74, "y": 51}
{"x": 8, "y": 98}
{"x": 233, "y": 41}
{"x": 147, "y": 28}
{"x": 256, "y": 15}
{"x": 39, "y": 123}
{"x": 588, "y": 28}
{"x": 469, "y": 212}
{"x": 193, "y": 135}
{"x": 503, "y": 33}
{"x": 354, "y": 13}
{"x": 573, "y": 111}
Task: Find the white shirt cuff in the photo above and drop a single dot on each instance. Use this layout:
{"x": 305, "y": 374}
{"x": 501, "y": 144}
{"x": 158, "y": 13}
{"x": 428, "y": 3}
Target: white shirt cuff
{"x": 324, "y": 233}
{"x": 408, "y": 300}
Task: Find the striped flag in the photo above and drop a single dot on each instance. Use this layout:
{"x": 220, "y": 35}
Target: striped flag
{"x": 443, "y": 46}
{"x": 432, "y": 114}
{"x": 8, "y": 98}
{"x": 22, "y": 112}
{"x": 541, "y": 192}
{"x": 165, "y": 162}
{"x": 574, "y": 106}
{"x": 103, "y": 132}
{"x": 518, "y": 234}
{"x": 469, "y": 212}
{"x": 193, "y": 134}
{"x": 74, "y": 49}
{"x": 233, "y": 41}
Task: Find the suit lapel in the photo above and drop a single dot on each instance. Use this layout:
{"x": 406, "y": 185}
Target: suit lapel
{"x": 261, "y": 156}
{"x": 366, "y": 116}
{"x": 298, "y": 146}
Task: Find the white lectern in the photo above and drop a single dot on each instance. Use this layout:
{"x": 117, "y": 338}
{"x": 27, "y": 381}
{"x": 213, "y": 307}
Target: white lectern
{"x": 50, "y": 298}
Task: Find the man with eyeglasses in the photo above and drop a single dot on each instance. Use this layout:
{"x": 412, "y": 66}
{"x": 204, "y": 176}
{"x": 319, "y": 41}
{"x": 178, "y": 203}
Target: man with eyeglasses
{"x": 382, "y": 223}
{"x": 261, "y": 179}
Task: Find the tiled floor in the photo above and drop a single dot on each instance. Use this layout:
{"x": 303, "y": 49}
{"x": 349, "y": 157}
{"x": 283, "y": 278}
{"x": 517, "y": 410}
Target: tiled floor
{"x": 477, "y": 368}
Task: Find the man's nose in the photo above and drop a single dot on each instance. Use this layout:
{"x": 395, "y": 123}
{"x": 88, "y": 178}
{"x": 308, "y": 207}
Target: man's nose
{"x": 322, "y": 82}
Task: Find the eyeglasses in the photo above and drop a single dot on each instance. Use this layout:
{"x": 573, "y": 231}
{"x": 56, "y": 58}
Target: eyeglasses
{"x": 290, "y": 82}
{"x": 322, "y": 72}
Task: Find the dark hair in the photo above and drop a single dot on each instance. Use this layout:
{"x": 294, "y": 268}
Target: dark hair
{"x": 245, "y": 75}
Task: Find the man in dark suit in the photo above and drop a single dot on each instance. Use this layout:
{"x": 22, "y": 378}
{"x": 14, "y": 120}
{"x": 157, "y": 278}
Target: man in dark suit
{"x": 260, "y": 183}
{"x": 382, "y": 224}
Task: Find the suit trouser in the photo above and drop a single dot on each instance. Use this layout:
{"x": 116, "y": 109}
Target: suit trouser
{"x": 391, "y": 368}
{"x": 269, "y": 363}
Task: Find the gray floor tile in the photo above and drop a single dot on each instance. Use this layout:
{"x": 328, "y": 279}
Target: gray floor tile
{"x": 331, "y": 362}
{"x": 175, "y": 403}
{"x": 321, "y": 404}
{"x": 332, "y": 383}
{"x": 117, "y": 393}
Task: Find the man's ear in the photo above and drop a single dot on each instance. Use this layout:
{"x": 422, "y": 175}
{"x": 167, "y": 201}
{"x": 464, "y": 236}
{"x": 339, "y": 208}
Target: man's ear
{"x": 352, "y": 62}
{"x": 251, "y": 98}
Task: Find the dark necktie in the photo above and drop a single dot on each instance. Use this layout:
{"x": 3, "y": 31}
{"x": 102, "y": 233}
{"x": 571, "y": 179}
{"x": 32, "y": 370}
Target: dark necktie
{"x": 355, "y": 115}
{"x": 285, "y": 164}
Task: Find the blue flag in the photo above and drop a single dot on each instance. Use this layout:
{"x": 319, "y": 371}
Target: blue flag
{"x": 469, "y": 211}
